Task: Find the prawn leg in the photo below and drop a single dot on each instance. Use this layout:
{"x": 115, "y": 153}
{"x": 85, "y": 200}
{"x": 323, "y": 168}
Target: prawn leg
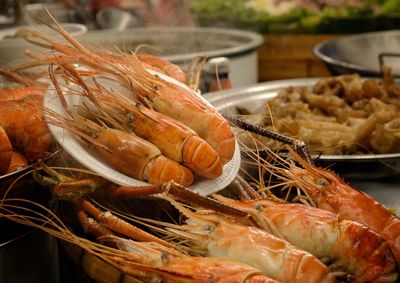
{"x": 299, "y": 146}
{"x": 178, "y": 192}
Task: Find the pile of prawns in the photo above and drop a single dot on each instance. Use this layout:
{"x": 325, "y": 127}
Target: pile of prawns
{"x": 24, "y": 135}
{"x": 147, "y": 128}
{"x": 331, "y": 232}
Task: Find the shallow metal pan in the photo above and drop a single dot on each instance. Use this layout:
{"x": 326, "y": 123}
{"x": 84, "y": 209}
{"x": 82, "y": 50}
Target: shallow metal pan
{"x": 363, "y": 53}
{"x": 351, "y": 167}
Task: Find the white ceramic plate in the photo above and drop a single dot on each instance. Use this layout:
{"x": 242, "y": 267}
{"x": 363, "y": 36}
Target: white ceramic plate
{"x": 89, "y": 159}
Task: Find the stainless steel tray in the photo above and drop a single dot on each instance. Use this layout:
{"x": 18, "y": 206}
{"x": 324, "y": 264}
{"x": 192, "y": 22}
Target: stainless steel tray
{"x": 348, "y": 54}
{"x": 351, "y": 167}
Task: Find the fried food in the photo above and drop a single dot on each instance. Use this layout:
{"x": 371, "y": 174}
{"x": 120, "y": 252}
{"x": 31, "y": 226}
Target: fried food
{"x": 340, "y": 115}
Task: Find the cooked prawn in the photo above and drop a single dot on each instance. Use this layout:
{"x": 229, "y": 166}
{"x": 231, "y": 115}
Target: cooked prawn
{"x": 5, "y": 151}
{"x": 354, "y": 249}
{"x": 182, "y": 105}
{"x": 175, "y": 140}
{"x": 132, "y": 260}
{"x": 162, "y": 259}
{"x": 329, "y": 192}
{"x": 25, "y": 126}
{"x": 217, "y": 236}
{"x": 175, "y": 101}
{"x": 163, "y": 66}
{"x": 349, "y": 245}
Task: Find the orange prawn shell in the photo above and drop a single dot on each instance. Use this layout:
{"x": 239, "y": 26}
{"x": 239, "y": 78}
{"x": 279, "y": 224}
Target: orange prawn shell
{"x": 333, "y": 194}
{"x": 139, "y": 158}
{"x": 19, "y": 93}
{"x": 17, "y": 163}
{"x": 298, "y": 266}
{"x": 163, "y": 66}
{"x": 185, "y": 107}
{"x": 6, "y": 151}
{"x": 177, "y": 142}
{"x": 358, "y": 206}
{"x": 357, "y": 248}
{"x": 24, "y": 123}
{"x": 126, "y": 153}
{"x": 161, "y": 170}
{"x": 207, "y": 269}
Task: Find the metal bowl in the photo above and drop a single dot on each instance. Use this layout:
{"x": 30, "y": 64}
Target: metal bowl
{"x": 61, "y": 12}
{"x": 23, "y": 246}
{"x": 27, "y": 255}
{"x": 181, "y": 44}
{"x": 351, "y": 167}
{"x": 363, "y": 53}
{"x": 12, "y": 49}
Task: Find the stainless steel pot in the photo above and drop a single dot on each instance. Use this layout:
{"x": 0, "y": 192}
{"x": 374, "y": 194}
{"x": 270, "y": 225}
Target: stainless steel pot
{"x": 181, "y": 44}
{"x": 27, "y": 255}
{"x": 12, "y": 49}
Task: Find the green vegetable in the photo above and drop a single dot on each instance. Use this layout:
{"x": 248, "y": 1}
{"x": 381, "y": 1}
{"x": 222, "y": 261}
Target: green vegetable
{"x": 391, "y": 6}
{"x": 374, "y": 15}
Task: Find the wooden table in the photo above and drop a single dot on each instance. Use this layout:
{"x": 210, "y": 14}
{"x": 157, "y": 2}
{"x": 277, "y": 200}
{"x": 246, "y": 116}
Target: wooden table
{"x": 291, "y": 56}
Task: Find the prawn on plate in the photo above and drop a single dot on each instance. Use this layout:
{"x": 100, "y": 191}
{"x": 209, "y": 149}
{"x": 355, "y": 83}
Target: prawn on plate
{"x": 175, "y": 140}
{"x": 6, "y": 151}
{"x": 178, "y": 102}
{"x": 126, "y": 152}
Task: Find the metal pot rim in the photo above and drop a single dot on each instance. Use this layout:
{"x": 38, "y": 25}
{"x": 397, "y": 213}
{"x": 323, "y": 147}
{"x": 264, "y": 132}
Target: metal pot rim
{"x": 356, "y": 68}
{"x": 253, "y": 39}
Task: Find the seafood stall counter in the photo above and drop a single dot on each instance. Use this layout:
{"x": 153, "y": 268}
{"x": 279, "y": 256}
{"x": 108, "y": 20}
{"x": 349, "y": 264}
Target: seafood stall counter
{"x": 296, "y": 220}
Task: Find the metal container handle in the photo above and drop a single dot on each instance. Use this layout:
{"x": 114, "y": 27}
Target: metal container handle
{"x": 382, "y": 55}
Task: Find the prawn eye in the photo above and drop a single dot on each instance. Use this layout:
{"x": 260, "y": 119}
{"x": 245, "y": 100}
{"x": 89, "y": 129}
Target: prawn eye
{"x": 165, "y": 258}
{"x": 130, "y": 117}
{"x": 208, "y": 228}
{"x": 322, "y": 182}
{"x": 96, "y": 133}
{"x": 258, "y": 207}
{"x": 156, "y": 87}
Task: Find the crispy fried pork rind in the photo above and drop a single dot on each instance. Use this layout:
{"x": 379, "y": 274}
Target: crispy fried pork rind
{"x": 340, "y": 115}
